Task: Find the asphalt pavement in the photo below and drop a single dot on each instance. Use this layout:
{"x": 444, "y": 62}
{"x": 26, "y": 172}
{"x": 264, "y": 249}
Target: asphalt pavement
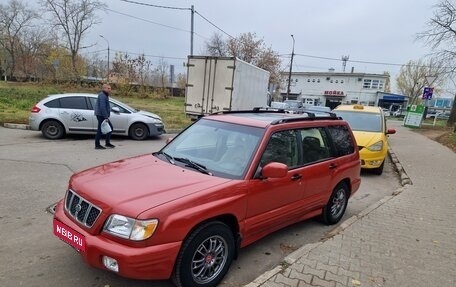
{"x": 407, "y": 239}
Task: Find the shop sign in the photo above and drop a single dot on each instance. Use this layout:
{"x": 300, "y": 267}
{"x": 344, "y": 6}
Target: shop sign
{"x": 334, "y": 93}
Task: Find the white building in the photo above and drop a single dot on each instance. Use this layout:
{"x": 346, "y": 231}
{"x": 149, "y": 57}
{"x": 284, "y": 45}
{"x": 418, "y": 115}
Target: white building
{"x": 332, "y": 89}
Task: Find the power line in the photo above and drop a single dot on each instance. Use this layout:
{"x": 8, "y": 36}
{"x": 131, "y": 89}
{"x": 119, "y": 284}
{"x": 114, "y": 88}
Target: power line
{"x": 179, "y": 8}
{"x": 147, "y": 55}
{"x": 156, "y": 6}
{"x": 145, "y": 20}
{"x": 156, "y": 23}
{"x": 356, "y": 61}
{"x": 213, "y": 24}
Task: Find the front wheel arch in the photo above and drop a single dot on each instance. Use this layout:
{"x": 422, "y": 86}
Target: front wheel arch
{"x": 213, "y": 265}
{"x": 138, "y": 131}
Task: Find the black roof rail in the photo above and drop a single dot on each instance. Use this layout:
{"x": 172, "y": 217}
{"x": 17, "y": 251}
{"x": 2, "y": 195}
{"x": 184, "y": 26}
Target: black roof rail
{"x": 254, "y": 110}
{"x": 310, "y": 114}
{"x": 298, "y": 119}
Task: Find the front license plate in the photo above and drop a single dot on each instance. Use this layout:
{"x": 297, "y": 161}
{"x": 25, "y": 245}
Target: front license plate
{"x": 69, "y": 235}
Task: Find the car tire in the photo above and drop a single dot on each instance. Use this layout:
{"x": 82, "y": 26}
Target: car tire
{"x": 138, "y": 131}
{"x": 205, "y": 256}
{"x": 335, "y": 208}
{"x": 379, "y": 170}
{"x": 53, "y": 130}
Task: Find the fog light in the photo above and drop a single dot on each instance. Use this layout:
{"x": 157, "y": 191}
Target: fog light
{"x": 375, "y": 162}
{"x": 110, "y": 263}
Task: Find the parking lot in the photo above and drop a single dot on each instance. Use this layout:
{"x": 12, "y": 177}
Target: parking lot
{"x": 35, "y": 172}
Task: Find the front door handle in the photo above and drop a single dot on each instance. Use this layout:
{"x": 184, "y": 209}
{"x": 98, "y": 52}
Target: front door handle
{"x": 296, "y": 177}
{"x": 332, "y": 166}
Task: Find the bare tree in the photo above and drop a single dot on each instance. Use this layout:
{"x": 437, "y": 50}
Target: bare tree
{"x": 441, "y": 32}
{"x": 412, "y": 77}
{"x": 74, "y": 18}
{"x": 15, "y": 17}
{"x": 245, "y": 47}
{"x": 441, "y": 37}
{"x": 250, "y": 49}
{"x": 143, "y": 71}
{"x": 216, "y": 46}
{"x": 162, "y": 73}
{"x": 32, "y": 45}
{"x": 181, "y": 81}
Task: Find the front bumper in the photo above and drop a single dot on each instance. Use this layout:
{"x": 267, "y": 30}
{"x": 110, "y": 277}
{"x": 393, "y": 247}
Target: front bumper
{"x": 156, "y": 129}
{"x": 147, "y": 263}
{"x": 372, "y": 160}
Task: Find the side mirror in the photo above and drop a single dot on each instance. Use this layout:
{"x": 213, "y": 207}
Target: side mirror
{"x": 274, "y": 170}
{"x": 168, "y": 140}
{"x": 390, "y": 131}
{"x": 116, "y": 110}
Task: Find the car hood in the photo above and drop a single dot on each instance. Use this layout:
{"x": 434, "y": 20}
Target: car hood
{"x": 149, "y": 114}
{"x": 136, "y": 184}
{"x": 366, "y": 139}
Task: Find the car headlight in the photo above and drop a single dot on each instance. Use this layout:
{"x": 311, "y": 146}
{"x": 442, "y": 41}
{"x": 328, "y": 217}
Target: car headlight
{"x": 130, "y": 228}
{"x": 378, "y": 146}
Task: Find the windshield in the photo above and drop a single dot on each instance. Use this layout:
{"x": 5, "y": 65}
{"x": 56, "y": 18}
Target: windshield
{"x": 279, "y": 105}
{"x": 293, "y": 104}
{"x": 223, "y": 149}
{"x": 359, "y": 121}
{"x": 124, "y": 105}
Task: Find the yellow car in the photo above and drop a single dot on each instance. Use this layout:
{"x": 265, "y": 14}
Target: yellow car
{"x": 369, "y": 127}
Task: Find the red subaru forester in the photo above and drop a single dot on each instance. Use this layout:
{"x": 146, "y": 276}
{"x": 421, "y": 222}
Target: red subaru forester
{"x": 226, "y": 181}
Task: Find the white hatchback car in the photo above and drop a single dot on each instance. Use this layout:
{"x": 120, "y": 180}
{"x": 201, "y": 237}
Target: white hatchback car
{"x": 57, "y": 115}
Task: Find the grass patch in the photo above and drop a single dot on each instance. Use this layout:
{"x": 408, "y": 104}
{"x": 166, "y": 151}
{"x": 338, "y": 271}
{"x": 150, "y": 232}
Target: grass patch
{"x": 16, "y": 100}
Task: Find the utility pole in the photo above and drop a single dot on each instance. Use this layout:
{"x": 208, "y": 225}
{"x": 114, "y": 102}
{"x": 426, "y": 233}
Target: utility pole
{"x": 291, "y": 67}
{"x": 192, "y": 30}
{"x": 107, "y": 77}
{"x": 344, "y": 62}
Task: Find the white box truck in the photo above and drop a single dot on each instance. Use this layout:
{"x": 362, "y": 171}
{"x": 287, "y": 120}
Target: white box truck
{"x": 223, "y": 84}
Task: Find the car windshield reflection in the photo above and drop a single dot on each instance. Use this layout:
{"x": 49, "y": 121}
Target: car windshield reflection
{"x": 224, "y": 149}
{"x": 359, "y": 121}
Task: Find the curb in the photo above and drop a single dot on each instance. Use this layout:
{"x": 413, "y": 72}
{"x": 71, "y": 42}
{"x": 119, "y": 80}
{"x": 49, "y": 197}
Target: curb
{"x": 305, "y": 249}
{"x": 16, "y": 126}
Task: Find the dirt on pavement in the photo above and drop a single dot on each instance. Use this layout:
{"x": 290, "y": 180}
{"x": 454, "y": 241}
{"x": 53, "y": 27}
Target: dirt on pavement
{"x": 441, "y": 135}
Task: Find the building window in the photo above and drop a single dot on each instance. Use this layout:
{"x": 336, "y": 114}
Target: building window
{"x": 373, "y": 84}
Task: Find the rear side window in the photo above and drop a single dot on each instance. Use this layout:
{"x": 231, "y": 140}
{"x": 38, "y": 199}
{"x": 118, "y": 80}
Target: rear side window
{"x": 53, "y": 104}
{"x": 315, "y": 145}
{"x": 78, "y": 103}
{"x": 342, "y": 139}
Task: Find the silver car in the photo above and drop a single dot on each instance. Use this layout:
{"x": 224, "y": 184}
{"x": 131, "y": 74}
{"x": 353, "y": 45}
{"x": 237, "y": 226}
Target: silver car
{"x": 58, "y": 115}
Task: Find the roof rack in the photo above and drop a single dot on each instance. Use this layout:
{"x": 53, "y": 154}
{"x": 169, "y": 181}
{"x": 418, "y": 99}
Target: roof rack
{"x": 254, "y": 110}
{"x": 310, "y": 115}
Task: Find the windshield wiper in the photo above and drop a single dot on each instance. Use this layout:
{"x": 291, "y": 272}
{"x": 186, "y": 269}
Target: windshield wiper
{"x": 167, "y": 156}
{"x": 189, "y": 163}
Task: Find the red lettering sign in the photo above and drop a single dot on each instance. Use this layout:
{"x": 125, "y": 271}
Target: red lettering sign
{"x": 334, "y": 93}
{"x": 69, "y": 235}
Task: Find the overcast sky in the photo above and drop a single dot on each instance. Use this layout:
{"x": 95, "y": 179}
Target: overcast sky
{"x": 365, "y": 30}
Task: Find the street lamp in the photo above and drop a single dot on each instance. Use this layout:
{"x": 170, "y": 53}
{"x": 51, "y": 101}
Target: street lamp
{"x": 107, "y": 42}
{"x": 291, "y": 67}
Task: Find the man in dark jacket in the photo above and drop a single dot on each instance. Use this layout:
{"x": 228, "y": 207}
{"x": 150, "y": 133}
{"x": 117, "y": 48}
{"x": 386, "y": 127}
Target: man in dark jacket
{"x": 103, "y": 111}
